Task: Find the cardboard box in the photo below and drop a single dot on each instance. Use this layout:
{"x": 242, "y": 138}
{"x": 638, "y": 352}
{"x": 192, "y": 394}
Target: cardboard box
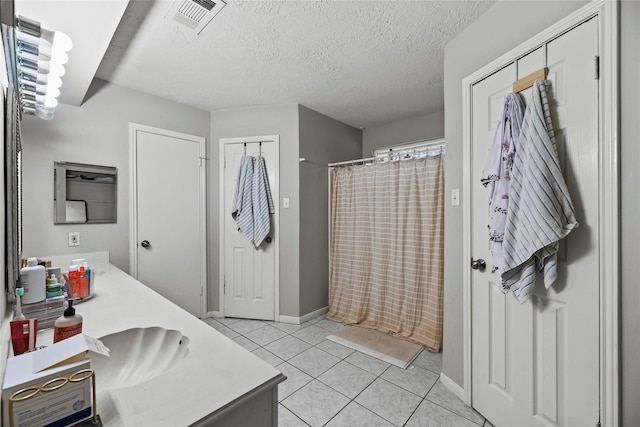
{"x": 66, "y": 405}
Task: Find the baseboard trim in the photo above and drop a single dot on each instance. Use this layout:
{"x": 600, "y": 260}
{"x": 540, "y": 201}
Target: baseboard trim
{"x": 452, "y": 386}
{"x": 212, "y": 314}
{"x": 305, "y": 318}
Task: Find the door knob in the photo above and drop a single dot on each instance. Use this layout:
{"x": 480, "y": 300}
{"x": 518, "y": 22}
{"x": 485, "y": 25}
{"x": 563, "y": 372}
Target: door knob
{"x": 478, "y": 264}
{"x": 145, "y": 244}
{"x": 268, "y": 239}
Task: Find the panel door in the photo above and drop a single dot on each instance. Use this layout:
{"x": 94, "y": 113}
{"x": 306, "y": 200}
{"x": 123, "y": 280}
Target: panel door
{"x": 249, "y": 273}
{"x": 169, "y": 224}
{"x": 537, "y": 363}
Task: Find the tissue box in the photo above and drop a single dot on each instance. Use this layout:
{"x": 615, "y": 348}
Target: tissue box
{"x": 67, "y": 405}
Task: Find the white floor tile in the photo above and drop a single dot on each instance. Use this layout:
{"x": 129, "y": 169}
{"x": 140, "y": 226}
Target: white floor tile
{"x": 244, "y": 326}
{"x": 330, "y": 384}
{"x": 265, "y": 335}
{"x": 441, "y": 395}
{"x": 431, "y": 415}
{"x": 312, "y": 334}
{"x": 313, "y": 361}
{"x": 368, "y": 363}
{"x": 414, "y": 379}
{"x": 334, "y": 348}
{"x": 430, "y": 361}
{"x": 347, "y": 379}
{"x": 356, "y": 415}
{"x": 286, "y": 418}
{"x": 267, "y": 356}
{"x": 389, "y": 401}
{"x": 315, "y": 403}
{"x": 296, "y": 379}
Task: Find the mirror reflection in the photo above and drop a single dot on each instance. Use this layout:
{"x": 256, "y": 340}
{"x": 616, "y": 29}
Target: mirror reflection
{"x": 84, "y": 194}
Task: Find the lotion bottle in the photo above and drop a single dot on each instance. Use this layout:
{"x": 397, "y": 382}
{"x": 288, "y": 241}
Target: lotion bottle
{"x": 32, "y": 278}
{"x": 67, "y": 325}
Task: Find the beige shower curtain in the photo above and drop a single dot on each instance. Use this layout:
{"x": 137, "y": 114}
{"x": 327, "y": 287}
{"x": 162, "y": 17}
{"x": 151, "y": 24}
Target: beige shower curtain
{"x": 387, "y": 248}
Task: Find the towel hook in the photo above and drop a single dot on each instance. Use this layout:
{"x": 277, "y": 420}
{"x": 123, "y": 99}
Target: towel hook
{"x": 245, "y": 148}
{"x": 260, "y": 146}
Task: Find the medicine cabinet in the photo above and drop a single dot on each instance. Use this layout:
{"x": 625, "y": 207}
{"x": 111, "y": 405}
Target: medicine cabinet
{"x": 84, "y": 194}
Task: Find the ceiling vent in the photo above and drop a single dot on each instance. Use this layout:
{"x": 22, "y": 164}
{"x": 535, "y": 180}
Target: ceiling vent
{"x": 195, "y": 14}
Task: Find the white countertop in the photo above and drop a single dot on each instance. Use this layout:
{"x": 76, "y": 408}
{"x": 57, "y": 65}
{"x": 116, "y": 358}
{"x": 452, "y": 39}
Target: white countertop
{"x": 215, "y": 373}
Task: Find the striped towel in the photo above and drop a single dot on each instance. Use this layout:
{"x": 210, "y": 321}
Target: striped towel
{"x": 540, "y": 209}
{"x": 262, "y": 202}
{"x": 242, "y": 208}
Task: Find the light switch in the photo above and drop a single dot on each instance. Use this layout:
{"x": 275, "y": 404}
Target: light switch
{"x": 455, "y": 197}
{"x": 285, "y": 203}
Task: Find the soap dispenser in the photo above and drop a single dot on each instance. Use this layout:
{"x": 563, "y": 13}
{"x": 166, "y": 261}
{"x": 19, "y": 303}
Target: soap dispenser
{"x": 67, "y": 325}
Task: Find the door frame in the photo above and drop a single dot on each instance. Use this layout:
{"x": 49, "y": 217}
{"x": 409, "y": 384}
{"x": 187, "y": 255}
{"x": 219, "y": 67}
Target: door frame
{"x": 134, "y": 128}
{"x": 275, "y": 192}
{"x": 608, "y": 195}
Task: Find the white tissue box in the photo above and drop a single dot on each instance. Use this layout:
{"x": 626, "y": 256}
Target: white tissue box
{"x": 67, "y": 405}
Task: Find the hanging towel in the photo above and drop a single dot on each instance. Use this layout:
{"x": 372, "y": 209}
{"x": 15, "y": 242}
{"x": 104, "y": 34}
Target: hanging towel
{"x": 540, "y": 209}
{"x": 262, "y": 202}
{"x": 242, "y": 208}
{"x": 497, "y": 175}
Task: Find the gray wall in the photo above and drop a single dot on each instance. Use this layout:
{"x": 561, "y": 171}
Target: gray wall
{"x": 490, "y": 36}
{"x": 630, "y": 206}
{"x": 323, "y": 140}
{"x": 246, "y": 122}
{"x": 95, "y": 133}
{"x": 427, "y": 126}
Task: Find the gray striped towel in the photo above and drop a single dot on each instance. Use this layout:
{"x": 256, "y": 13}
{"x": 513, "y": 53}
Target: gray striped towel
{"x": 540, "y": 209}
{"x": 262, "y": 202}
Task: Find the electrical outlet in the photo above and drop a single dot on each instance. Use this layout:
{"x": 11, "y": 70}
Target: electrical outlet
{"x": 74, "y": 238}
{"x": 285, "y": 203}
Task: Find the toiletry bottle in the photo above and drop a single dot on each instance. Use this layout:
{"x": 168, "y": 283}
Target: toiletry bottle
{"x": 67, "y": 325}
{"x": 54, "y": 289}
{"x": 83, "y": 283}
{"x": 32, "y": 278}
{"x": 87, "y": 271}
{"x": 72, "y": 282}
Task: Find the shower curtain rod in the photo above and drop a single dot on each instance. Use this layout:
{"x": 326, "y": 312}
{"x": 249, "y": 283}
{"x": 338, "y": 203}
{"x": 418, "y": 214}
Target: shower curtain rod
{"x": 426, "y": 147}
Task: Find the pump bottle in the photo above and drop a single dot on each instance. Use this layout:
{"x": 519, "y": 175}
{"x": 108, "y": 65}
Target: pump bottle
{"x": 67, "y": 325}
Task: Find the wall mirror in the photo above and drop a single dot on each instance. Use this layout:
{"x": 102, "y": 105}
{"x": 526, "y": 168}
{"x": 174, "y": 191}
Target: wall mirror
{"x": 84, "y": 194}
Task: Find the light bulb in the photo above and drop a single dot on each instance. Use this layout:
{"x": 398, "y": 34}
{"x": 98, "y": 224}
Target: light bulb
{"x": 53, "y": 81}
{"x": 59, "y": 56}
{"x": 62, "y": 41}
{"x": 45, "y": 113}
{"x": 56, "y": 69}
{"x": 50, "y": 101}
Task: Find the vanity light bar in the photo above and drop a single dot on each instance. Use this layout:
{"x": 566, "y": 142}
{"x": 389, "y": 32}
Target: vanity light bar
{"x": 40, "y": 58}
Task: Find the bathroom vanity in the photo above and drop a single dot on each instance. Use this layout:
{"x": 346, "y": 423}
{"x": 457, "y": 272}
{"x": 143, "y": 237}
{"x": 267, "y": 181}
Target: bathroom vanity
{"x": 213, "y": 382}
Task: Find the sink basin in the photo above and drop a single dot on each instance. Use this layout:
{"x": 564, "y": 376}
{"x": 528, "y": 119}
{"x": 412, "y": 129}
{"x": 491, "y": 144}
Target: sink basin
{"x": 138, "y": 355}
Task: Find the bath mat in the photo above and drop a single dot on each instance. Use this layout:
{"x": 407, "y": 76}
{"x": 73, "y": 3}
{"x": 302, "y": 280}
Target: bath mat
{"x": 377, "y": 344}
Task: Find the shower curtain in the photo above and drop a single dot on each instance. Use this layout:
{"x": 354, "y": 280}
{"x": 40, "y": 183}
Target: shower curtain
{"x": 387, "y": 248}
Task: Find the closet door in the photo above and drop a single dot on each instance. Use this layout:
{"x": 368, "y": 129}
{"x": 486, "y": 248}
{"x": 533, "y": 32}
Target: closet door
{"x": 249, "y": 274}
{"x": 537, "y": 363}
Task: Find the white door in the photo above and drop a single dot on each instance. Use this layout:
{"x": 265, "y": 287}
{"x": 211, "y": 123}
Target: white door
{"x": 537, "y": 363}
{"x": 169, "y": 232}
{"x": 249, "y": 272}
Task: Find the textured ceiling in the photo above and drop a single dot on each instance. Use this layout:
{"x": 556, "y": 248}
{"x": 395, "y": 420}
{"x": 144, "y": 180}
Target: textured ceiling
{"x": 361, "y": 62}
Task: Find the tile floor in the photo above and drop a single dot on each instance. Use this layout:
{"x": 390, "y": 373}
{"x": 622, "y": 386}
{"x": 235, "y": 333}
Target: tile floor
{"x": 331, "y": 385}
